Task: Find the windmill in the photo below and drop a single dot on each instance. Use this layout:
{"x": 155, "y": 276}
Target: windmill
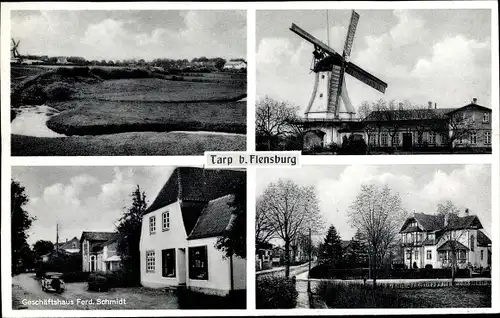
{"x": 15, "y": 56}
{"x": 330, "y": 90}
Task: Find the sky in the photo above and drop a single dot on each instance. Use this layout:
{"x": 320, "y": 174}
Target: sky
{"x": 116, "y": 34}
{"x": 443, "y": 56}
{"x": 83, "y": 198}
{"x": 421, "y": 188}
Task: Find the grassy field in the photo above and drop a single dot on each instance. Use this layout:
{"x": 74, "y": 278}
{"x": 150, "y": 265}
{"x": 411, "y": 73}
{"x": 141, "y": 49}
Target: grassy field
{"x": 89, "y": 117}
{"x": 127, "y": 144}
{"x": 154, "y": 89}
{"x": 333, "y": 295}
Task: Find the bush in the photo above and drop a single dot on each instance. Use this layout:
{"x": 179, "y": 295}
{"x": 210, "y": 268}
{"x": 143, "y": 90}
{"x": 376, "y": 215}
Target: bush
{"x": 327, "y": 271}
{"x": 276, "y": 292}
{"x": 59, "y": 91}
{"x": 98, "y": 282}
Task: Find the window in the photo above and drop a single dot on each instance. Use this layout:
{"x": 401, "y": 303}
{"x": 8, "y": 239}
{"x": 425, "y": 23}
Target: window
{"x": 444, "y": 139}
{"x": 472, "y": 243}
{"x": 408, "y": 254}
{"x": 383, "y": 139}
{"x": 461, "y": 255}
{"x": 482, "y": 254}
{"x": 432, "y": 138}
{"x": 416, "y": 255}
{"x": 429, "y": 254}
{"x": 152, "y": 225}
{"x": 85, "y": 247}
{"x": 395, "y": 140}
{"x": 168, "y": 261}
{"x": 150, "y": 261}
{"x": 165, "y": 217}
{"x": 419, "y": 138}
{"x": 373, "y": 139}
{"x": 74, "y": 245}
{"x": 198, "y": 263}
{"x": 487, "y": 138}
{"x": 486, "y": 117}
{"x": 473, "y": 138}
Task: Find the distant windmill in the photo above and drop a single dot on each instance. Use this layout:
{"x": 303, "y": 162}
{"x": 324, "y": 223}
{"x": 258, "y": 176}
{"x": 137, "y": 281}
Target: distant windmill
{"x": 15, "y": 56}
{"x": 330, "y": 68}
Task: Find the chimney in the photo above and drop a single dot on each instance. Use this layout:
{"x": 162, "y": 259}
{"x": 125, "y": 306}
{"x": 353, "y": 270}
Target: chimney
{"x": 474, "y": 100}
{"x": 446, "y": 217}
{"x": 430, "y": 104}
{"x": 467, "y": 212}
{"x": 435, "y": 105}
{"x": 66, "y": 240}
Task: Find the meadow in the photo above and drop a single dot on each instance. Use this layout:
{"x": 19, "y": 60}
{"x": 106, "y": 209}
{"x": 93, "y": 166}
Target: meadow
{"x": 114, "y": 101}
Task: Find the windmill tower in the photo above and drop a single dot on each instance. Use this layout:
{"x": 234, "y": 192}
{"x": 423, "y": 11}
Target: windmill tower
{"x": 330, "y": 109}
{"x": 15, "y": 57}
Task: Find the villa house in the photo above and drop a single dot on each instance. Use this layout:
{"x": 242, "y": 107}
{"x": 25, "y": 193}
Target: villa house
{"x": 99, "y": 251}
{"x": 181, "y": 227}
{"x": 432, "y": 240}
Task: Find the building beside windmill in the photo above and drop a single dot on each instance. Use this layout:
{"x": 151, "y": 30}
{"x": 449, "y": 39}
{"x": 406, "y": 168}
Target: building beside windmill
{"x": 62, "y": 60}
{"x": 180, "y": 230}
{"x": 431, "y": 240}
{"x": 468, "y": 126}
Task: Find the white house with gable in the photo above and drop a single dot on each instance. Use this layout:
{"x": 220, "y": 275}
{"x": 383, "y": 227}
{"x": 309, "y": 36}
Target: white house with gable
{"x": 429, "y": 240}
{"x": 181, "y": 227}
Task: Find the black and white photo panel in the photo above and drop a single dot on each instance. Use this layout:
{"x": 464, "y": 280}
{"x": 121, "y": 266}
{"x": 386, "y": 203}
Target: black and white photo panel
{"x": 128, "y": 82}
{"x": 368, "y": 82}
{"x": 93, "y": 238}
{"x": 367, "y": 236}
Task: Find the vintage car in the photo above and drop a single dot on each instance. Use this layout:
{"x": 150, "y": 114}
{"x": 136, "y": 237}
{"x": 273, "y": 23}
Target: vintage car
{"x": 53, "y": 282}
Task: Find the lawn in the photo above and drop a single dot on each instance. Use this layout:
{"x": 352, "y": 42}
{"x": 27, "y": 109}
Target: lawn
{"x": 127, "y": 144}
{"x": 334, "y": 295}
{"x": 91, "y": 117}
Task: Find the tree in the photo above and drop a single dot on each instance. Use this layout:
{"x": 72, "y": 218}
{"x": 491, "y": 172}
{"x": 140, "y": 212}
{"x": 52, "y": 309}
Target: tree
{"x": 276, "y": 120}
{"x": 129, "y": 230}
{"x": 20, "y": 223}
{"x": 460, "y": 126}
{"x": 356, "y": 255}
{"x": 377, "y": 214}
{"x": 42, "y": 247}
{"x": 264, "y": 231}
{"x": 331, "y": 250}
{"x": 449, "y": 213}
{"x": 233, "y": 240}
{"x": 292, "y": 210}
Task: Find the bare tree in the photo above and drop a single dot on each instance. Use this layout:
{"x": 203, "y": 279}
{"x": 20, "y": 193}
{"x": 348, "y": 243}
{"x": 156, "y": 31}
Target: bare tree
{"x": 275, "y": 120}
{"x": 264, "y": 231}
{"x": 291, "y": 210}
{"x": 460, "y": 126}
{"x": 449, "y": 214}
{"x": 377, "y": 213}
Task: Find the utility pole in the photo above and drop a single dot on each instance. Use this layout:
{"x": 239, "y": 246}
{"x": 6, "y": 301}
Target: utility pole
{"x": 309, "y": 272}
{"x": 57, "y": 239}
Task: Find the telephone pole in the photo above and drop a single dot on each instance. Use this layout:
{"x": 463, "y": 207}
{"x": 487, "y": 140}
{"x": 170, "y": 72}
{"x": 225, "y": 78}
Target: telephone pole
{"x": 57, "y": 239}
{"x": 309, "y": 272}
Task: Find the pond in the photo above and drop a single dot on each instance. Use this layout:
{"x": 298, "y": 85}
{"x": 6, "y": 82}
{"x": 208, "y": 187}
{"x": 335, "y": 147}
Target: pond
{"x": 31, "y": 121}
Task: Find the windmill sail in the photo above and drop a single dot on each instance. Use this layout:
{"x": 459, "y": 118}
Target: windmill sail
{"x": 350, "y": 33}
{"x": 365, "y": 77}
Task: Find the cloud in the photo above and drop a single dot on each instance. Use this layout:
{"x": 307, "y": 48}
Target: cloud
{"x": 418, "y": 62}
{"x": 126, "y": 35}
{"x": 421, "y": 189}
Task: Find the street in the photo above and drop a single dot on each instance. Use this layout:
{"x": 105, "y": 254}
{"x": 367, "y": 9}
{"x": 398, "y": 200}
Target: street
{"x": 27, "y": 294}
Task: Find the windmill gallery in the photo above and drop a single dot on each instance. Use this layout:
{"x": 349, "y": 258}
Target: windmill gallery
{"x": 331, "y": 119}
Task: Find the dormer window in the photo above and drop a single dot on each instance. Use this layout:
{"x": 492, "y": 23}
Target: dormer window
{"x": 486, "y": 117}
{"x": 165, "y": 221}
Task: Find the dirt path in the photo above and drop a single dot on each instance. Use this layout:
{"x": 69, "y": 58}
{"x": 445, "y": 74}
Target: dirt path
{"x": 27, "y": 294}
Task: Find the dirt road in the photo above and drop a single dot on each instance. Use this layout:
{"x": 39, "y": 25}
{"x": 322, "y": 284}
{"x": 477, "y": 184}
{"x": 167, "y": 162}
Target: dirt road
{"x": 27, "y": 294}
